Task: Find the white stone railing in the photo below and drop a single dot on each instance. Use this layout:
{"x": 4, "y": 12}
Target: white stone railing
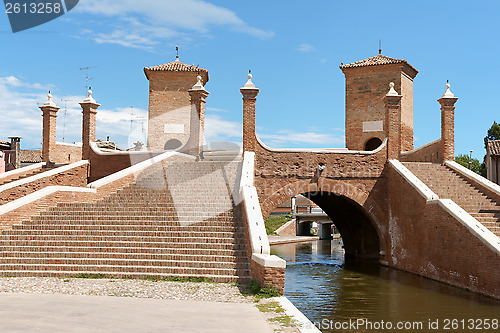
{"x": 42, "y": 175}
{"x": 471, "y": 175}
{"x": 423, "y": 189}
{"x": 256, "y": 228}
{"x": 21, "y": 170}
{"x": 91, "y": 188}
{"x": 478, "y": 229}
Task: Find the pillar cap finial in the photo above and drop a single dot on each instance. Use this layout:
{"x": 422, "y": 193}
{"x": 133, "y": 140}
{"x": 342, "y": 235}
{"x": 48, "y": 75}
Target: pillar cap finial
{"x": 198, "y": 85}
{"x": 448, "y": 93}
{"x": 392, "y": 91}
{"x": 89, "y": 98}
{"x": 49, "y": 101}
{"x": 249, "y": 84}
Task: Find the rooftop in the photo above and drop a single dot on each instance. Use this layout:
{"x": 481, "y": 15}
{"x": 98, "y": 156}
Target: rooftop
{"x": 31, "y": 156}
{"x": 494, "y": 147}
{"x": 176, "y": 66}
{"x": 377, "y": 60}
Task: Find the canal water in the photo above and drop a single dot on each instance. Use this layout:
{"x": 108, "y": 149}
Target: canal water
{"x": 372, "y": 298}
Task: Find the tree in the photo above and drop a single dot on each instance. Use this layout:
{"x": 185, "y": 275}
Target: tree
{"x": 493, "y": 134}
{"x": 473, "y": 164}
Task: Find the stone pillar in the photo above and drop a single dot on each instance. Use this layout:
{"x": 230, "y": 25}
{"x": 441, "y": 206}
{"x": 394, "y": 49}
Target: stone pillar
{"x": 392, "y": 102}
{"x": 249, "y": 93}
{"x": 89, "y": 110}
{"x": 49, "y": 114}
{"x": 198, "y": 96}
{"x": 447, "y": 102}
{"x": 15, "y": 146}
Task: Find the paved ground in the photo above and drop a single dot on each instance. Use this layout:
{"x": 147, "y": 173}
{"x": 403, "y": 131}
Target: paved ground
{"x": 290, "y": 239}
{"x": 71, "y": 313}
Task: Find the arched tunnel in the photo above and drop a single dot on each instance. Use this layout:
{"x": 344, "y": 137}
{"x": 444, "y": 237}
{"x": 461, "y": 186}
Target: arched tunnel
{"x": 360, "y": 237}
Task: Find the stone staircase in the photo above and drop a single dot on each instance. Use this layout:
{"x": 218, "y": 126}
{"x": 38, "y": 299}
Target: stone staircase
{"x": 174, "y": 220}
{"x": 448, "y": 184}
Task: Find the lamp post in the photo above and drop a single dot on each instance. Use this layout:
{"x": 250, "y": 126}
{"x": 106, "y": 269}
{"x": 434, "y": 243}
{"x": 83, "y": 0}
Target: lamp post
{"x": 470, "y": 159}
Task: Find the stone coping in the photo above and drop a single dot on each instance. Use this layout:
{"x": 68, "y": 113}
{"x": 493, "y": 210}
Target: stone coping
{"x": 302, "y": 323}
{"x": 39, "y": 195}
{"x": 45, "y": 174}
{"x": 23, "y": 169}
{"x": 423, "y": 189}
{"x": 478, "y": 229}
{"x": 321, "y": 150}
{"x": 466, "y": 173}
{"x": 248, "y": 194}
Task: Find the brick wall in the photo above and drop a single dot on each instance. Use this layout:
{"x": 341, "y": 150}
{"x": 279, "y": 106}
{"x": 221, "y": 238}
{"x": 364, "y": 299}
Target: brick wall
{"x": 107, "y": 164}
{"x": 66, "y": 154}
{"x": 427, "y": 153}
{"x": 428, "y": 241}
{"x": 169, "y": 103}
{"x": 365, "y": 89}
{"x": 74, "y": 177}
{"x": 268, "y": 276}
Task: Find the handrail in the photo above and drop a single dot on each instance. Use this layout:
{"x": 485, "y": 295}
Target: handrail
{"x": 248, "y": 193}
{"x": 423, "y": 189}
{"x": 23, "y": 169}
{"x": 489, "y": 185}
{"x": 45, "y": 174}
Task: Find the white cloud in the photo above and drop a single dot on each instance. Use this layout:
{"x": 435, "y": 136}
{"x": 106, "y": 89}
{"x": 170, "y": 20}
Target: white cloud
{"x": 144, "y": 24}
{"x": 219, "y": 129}
{"x": 305, "y": 48}
{"x": 290, "y": 137}
{"x": 20, "y": 116}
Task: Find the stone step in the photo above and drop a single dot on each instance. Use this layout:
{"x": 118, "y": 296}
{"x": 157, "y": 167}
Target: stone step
{"x": 129, "y": 227}
{"x": 103, "y": 262}
{"x": 243, "y": 277}
{"x": 113, "y": 239}
{"x": 198, "y": 271}
{"x": 121, "y": 233}
{"x": 136, "y": 222}
{"x": 123, "y": 256}
{"x": 116, "y": 243}
{"x": 121, "y": 250}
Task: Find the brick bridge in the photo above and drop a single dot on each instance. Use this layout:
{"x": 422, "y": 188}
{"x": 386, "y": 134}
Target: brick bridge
{"x": 172, "y": 211}
{"x": 411, "y": 209}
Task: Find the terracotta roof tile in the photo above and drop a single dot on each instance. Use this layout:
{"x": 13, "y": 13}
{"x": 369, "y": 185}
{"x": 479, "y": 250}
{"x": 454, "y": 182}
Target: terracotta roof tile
{"x": 375, "y": 61}
{"x": 176, "y": 66}
{"x": 31, "y": 156}
{"x": 494, "y": 147}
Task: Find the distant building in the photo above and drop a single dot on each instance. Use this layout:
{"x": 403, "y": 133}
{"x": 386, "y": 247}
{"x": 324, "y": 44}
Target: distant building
{"x": 492, "y": 161}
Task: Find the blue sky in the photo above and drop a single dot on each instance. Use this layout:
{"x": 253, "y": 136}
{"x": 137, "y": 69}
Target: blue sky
{"x": 293, "y": 48}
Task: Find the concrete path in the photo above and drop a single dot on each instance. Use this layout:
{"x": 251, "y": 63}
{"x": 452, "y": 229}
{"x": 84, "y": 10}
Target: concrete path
{"x": 69, "y": 313}
{"x": 290, "y": 239}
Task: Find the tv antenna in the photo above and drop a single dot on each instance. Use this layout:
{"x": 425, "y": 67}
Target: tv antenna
{"x": 87, "y": 77}
{"x": 65, "y": 113}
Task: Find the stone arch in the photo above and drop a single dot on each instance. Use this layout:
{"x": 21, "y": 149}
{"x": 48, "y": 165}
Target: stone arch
{"x": 345, "y": 203}
{"x": 372, "y": 144}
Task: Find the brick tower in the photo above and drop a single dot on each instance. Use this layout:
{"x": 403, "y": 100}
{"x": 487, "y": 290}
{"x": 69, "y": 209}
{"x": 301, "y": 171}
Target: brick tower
{"x": 366, "y": 86}
{"x": 170, "y": 111}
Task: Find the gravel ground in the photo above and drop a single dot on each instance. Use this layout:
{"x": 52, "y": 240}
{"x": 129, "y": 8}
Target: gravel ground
{"x": 198, "y": 291}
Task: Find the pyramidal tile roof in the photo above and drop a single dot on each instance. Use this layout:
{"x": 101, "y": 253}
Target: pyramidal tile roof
{"x": 494, "y": 147}
{"x": 379, "y": 59}
{"x": 176, "y": 66}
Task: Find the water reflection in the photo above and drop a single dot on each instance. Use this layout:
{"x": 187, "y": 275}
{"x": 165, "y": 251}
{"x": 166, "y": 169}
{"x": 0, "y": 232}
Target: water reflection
{"x": 318, "y": 284}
